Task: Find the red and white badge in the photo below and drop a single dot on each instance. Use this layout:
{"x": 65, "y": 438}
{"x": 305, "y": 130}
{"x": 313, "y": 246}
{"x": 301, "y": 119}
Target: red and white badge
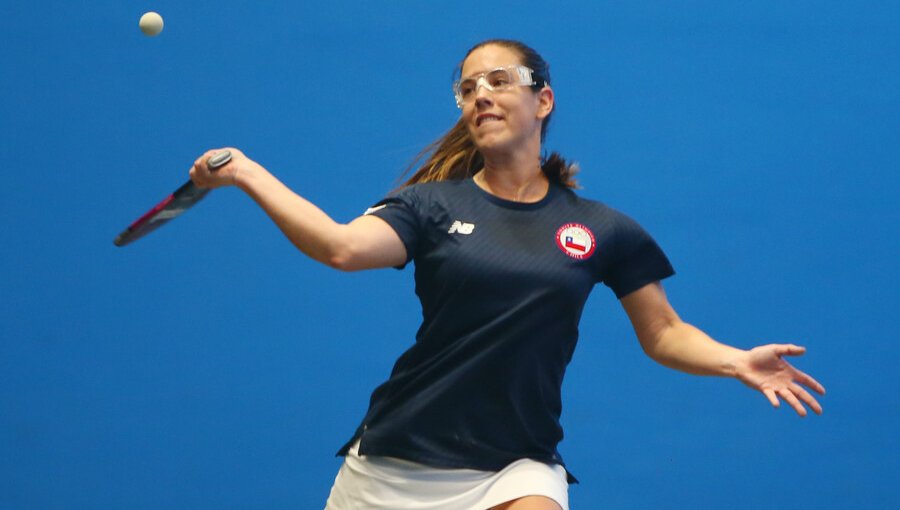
{"x": 576, "y": 240}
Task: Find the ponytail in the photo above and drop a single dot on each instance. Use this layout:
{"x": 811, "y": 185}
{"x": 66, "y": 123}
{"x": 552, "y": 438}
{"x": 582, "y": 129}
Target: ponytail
{"x": 449, "y": 158}
{"x": 560, "y": 171}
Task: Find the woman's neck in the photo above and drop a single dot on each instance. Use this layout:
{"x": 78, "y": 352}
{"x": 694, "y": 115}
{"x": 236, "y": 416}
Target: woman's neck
{"x": 519, "y": 181}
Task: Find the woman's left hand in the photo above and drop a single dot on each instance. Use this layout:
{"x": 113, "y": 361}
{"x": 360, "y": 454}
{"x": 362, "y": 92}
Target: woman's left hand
{"x": 764, "y": 369}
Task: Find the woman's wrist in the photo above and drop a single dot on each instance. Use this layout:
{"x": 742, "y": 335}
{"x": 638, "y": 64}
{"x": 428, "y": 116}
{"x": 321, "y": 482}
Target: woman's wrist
{"x": 245, "y": 175}
{"x": 736, "y": 363}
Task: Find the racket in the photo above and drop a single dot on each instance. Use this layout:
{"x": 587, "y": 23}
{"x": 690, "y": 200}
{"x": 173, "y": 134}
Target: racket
{"x": 172, "y": 206}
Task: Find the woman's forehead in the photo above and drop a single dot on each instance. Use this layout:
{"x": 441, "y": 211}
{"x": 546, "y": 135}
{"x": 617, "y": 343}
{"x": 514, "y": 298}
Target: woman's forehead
{"x": 489, "y": 57}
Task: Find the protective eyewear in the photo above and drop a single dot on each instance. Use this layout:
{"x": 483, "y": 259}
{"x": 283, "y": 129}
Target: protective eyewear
{"x": 502, "y": 78}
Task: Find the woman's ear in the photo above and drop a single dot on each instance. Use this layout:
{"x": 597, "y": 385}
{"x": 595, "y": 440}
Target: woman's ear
{"x": 545, "y": 102}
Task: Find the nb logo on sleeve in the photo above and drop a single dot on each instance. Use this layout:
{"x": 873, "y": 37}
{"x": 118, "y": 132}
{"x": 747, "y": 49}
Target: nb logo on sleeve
{"x": 460, "y": 227}
{"x": 370, "y": 210}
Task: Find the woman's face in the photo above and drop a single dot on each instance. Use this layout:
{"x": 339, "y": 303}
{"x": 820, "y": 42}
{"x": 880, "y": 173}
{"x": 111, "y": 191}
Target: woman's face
{"x": 504, "y": 120}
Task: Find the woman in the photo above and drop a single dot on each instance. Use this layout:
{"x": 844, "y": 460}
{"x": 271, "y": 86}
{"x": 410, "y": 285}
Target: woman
{"x": 506, "y": 255}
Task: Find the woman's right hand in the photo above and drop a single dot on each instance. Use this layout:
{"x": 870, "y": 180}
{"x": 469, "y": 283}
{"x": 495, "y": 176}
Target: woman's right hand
{"x": 226, "y": 175}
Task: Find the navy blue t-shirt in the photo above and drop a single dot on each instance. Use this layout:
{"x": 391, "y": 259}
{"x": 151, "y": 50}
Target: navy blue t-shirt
{"x": 502, "y": 286}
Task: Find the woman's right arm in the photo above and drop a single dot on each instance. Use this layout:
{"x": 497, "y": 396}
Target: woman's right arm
{"x": 365, "y": 243}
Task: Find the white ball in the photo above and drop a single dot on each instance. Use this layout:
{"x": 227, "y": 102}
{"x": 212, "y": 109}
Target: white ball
{"x": 151, "y": 24}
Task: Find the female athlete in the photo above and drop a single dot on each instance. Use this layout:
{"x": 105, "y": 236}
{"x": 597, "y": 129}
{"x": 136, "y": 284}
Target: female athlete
{"x": 505, "y": 256}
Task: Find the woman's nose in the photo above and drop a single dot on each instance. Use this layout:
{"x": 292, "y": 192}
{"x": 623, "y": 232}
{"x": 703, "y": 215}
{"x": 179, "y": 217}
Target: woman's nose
{"x": 482, "y": 94}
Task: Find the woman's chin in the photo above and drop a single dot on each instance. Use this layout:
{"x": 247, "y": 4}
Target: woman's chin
{"x": 489, "y": 142}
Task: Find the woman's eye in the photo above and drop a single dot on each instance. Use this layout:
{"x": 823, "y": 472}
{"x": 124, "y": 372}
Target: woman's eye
{"x": 499, "y": 78}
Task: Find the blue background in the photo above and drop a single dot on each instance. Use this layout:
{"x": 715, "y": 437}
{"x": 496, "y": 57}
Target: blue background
{"x": 210, "y": 365}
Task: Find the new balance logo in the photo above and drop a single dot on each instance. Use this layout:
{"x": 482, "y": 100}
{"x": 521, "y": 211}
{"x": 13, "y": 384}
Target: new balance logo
{"x": 459, "y": 227}
{"x": 370, "y": 210}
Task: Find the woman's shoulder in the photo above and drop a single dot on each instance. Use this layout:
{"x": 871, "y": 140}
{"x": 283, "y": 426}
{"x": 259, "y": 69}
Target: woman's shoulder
{"x": 598, "y": 209}
{"x": 424, "y": 195}
{"x": 431, "y": 188}
{"x": 575, "y": 198}
{"x": 434, "y": 184}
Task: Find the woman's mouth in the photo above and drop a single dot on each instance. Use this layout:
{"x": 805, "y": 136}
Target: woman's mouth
{"x": 487, "y": 117}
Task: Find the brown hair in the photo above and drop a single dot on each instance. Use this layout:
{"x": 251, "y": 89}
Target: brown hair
{"x": 454, "y": 155}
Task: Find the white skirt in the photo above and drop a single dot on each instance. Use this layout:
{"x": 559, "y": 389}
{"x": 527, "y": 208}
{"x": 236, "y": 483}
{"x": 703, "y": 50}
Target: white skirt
{"x": 385, "y": 483}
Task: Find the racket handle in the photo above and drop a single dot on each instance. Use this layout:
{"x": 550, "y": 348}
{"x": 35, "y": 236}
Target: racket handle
{"x": 218, "y": 160}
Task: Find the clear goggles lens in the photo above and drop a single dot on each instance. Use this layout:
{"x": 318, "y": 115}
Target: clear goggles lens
{"x": 502, "y": 78}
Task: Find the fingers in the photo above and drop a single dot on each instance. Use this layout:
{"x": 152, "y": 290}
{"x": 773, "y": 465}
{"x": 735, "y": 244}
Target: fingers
{"x": 807, "y": 399}
{"x": 789, "y": 350}
{"x": 770, "y": 394}
{"x": 792, "y": 400}
{"x": 809, "y": 382}
{"x": 201, "y": 174}
{"x": 795, "y": 396}
{"x": 194, "y": 172}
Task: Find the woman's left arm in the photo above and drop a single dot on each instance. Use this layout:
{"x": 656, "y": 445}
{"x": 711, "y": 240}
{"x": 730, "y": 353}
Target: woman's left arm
{"x": 677, "y": 344}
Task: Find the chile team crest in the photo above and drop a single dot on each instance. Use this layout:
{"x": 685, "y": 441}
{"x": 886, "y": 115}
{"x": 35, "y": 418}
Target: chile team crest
{"x": 576, "y": 240}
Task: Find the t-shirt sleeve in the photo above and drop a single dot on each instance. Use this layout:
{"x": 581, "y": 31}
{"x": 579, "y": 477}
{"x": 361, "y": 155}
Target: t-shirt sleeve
{"x": 637, "y": 261}
{"x": 401, "y": 210}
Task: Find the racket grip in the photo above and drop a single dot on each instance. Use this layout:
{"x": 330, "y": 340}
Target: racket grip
{"x": 218, "y": 160}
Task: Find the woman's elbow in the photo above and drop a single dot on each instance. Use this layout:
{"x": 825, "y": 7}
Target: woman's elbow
{"x": 654, "y": 339}
{"x": 342, "y": 258}
{"x": 650, "y": 348}
{"x": 346, "y": 257}
{"x": 354, "y": 251}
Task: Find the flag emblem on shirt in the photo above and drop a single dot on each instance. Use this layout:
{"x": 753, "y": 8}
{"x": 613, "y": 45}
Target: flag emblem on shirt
{"x": 575, "y": 240}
